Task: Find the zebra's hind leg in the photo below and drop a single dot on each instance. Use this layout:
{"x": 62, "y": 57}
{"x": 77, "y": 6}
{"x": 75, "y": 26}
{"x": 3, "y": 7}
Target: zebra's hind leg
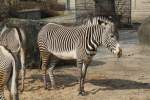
{"x": 45, "y": 58}
{"x": 8, "y": 83}
{"x": 8, "y": 87}
{"x": 10, "y": 92}
{"x": 51, "y": 75}
{"x": 2, "y": 97}
{"x": 53, "y": 62}
{"x": 22, "y": 60}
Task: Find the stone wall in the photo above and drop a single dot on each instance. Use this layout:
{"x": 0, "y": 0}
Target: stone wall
{"x": 4, "y": 9}
{"x": 123, "y": 9}
{"x": 140, "y": 10}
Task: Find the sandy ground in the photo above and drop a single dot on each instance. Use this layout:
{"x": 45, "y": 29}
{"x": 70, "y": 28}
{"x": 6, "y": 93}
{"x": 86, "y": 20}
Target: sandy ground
{"x": 108, "y": 78}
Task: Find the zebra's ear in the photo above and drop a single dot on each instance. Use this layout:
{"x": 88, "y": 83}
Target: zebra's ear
{"x": 110, "y": 17}
{"x": 100, "y": 22}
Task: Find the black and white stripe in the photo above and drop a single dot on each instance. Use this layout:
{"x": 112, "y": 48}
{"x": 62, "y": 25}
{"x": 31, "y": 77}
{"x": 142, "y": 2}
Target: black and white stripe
{"x": 14, "y": 39}
{"x": 7, "y": 66}
{"x": 80, "y": 42}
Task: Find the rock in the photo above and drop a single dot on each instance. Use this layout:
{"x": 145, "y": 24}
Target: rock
{"x": 144, "y": 32}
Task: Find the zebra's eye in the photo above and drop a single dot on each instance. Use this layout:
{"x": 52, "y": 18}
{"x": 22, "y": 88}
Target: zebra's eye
{"x": 112, "y": 36}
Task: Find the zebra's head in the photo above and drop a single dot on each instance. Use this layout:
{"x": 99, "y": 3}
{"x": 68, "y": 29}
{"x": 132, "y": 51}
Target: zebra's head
{"x": 105, "y": 33}
{"x": 101, "y": 20}
{"x": 109, "y": 39}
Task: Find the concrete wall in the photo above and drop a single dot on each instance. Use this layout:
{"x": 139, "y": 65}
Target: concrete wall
{"x": 70, "y": 4}
{"x": 29, "y": 14}
{"x": 4, "y": 9}
{"x": 140, "y": 10}
{"x": 84, "y": 8}
{"x": 61, "y": 1}
{"x": 123, "y": 9}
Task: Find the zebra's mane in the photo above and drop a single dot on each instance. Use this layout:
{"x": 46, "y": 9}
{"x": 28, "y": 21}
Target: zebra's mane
{"x": 94, "y": 20}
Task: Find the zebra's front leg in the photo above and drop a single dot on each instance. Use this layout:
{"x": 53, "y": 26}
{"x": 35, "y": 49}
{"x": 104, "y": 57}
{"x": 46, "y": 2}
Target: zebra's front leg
{"x": 82, "y": 79}
{"x": 22, "y": 60}
{"x": 83, "y": 69}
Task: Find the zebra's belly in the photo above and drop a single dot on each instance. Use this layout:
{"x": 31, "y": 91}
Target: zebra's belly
{"x": 66, "y": 54}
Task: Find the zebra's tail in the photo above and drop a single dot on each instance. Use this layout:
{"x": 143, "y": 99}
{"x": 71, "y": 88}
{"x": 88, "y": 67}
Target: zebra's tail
{"x": 14, "y": 81}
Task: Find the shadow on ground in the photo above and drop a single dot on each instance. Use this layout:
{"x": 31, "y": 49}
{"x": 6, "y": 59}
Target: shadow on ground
{"x": 117, "y": 84}
{"x": 69, "y": 63}
{"x": 61, "y": 81}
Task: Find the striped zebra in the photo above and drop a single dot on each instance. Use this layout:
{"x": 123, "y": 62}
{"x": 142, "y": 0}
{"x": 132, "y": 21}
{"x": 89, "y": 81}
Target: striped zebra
{"x": 14, "y": 39}
{"x": 7, "y": 74}
{"x": 80, "y": 43}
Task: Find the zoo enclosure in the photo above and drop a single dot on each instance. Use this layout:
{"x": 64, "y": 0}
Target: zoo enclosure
{"x": 118, "y": 9}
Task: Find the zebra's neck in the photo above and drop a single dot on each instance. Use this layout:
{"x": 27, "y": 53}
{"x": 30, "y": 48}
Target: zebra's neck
{"x": 91, "y": 42}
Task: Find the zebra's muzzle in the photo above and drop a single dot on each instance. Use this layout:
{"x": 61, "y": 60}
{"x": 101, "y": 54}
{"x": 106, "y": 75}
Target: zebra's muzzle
{"x": 118, "y": 51}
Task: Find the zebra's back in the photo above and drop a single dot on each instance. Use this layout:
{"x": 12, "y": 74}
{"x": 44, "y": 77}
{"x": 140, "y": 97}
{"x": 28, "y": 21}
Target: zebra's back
{"x": 10, "y": 39}
{"x": 60, "y": 40}
{"x": 5, "y": 68}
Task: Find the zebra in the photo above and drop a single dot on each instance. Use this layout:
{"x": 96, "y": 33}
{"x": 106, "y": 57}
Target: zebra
{"x": 79, "y": 43}
{"x": 7, "y": 73}
{"x": 14, "y": 39}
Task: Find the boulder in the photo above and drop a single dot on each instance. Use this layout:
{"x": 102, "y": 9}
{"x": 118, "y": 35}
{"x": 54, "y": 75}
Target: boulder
{"x": 144, "y": 32}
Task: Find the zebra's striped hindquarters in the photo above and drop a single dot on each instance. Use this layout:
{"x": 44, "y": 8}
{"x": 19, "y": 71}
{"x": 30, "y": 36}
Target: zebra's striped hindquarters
{"x": 7, "y": 66}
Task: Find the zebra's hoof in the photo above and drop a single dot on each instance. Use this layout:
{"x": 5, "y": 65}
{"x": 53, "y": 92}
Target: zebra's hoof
{"x": 46, "y": 86}
{"x": 54, "y": 88}
{"x": 82, "y": 93}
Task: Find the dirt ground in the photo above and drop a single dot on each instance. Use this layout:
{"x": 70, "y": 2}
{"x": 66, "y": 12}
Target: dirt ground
{"x": 108, "y": 78}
